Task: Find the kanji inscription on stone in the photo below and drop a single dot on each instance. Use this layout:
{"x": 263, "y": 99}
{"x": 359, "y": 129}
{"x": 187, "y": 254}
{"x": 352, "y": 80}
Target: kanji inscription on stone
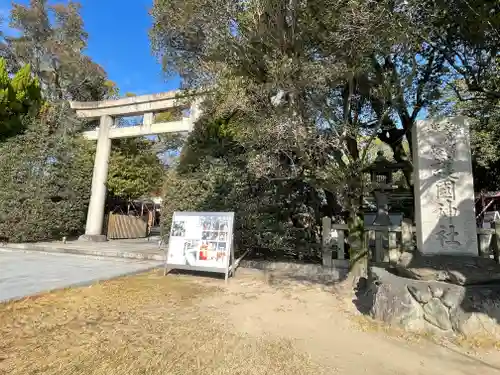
{"x": 447, "y": 209}
{"x": 447, "y": 235}
{"x": 444, "y": 191}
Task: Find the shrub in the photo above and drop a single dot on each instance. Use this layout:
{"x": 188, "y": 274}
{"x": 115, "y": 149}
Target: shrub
{"x": 262, "y": 211}
{"x": 45, "y": 175}
{"x": 275, "y": 217}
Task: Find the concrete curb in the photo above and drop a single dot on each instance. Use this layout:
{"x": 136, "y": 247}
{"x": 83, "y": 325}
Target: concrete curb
{"x": 260, "y": 265}
{"x": 92, "y": 252}
{"x": 81, "y": 255}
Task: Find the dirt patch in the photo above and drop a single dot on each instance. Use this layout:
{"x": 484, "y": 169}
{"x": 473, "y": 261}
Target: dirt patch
{"x": 258, "y": 324}
{"x": 329, "y": 330}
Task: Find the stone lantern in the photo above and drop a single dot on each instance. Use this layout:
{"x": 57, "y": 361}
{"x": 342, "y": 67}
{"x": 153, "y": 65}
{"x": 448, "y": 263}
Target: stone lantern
{"x": 381, "y": 183}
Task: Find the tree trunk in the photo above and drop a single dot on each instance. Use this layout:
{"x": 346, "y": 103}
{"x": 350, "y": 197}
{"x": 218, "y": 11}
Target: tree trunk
{"x": 358, "y": 253}
{"x": 358, "y": 272}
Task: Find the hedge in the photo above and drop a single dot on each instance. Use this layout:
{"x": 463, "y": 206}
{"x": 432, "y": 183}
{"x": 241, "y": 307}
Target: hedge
{"x": 262, "y": 209}
{"x": 45, "y": 179}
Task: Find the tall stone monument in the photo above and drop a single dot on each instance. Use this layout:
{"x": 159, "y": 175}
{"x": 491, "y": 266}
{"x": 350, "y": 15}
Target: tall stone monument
{"x": 444, "y": 189}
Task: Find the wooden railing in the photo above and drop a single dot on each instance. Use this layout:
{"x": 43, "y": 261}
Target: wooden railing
{"x": 386, "y": 243}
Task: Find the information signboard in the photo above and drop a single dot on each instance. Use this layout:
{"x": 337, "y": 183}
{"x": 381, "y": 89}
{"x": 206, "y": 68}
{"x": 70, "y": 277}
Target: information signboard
{"x": 201, "y": 241}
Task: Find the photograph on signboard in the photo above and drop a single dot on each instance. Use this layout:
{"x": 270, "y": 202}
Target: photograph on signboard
{"x": 199, "y": 254}
{"x": 191, "y": 247}
{"x": 200, "y": 240}
{"x": 178, "y": 228}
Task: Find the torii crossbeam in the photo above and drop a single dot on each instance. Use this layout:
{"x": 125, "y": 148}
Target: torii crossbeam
{"x": 107, "y": 111}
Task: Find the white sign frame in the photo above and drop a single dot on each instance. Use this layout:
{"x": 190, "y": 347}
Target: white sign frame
{"x": 191, "y": 236}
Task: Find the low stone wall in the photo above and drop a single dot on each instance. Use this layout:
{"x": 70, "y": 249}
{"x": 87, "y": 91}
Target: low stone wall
{"x": 310, "y": 273}
{"x": 434, "y": 306}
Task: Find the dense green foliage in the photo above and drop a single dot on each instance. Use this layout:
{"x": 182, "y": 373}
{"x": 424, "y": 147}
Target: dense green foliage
{"x": 213, "y": 175}
{"x": 134, "y": 169}
{"x": 19, "y": 96}
{"x": 305, "y": 88}
{"x": 45, "y": 179}
{"x": 46, "y": 167}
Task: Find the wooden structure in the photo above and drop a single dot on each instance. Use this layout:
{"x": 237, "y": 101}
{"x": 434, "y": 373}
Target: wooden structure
{"x": 122, "y": 226}
{"x": 486, "y": 202}
{"x": 125, "y": 218}
{"x": 390, "y": 241}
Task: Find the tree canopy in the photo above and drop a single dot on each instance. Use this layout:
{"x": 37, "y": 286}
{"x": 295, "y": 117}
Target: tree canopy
{"x": 19, "y": 97}
{"x": 45, "y": 179}
{"x": 135, "y": 171}
{"x": 52, "y": 39}
{"x": 305, "y": 88}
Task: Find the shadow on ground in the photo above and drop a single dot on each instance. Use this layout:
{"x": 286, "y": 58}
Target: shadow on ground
{"x": 211, "y": 275}
{"x": 308, "y": 274}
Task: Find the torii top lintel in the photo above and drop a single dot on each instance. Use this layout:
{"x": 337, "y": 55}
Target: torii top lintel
{"x": 134, "y": 105}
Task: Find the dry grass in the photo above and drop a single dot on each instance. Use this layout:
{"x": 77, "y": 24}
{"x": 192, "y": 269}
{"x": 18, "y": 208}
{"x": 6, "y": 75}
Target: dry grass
{"x": 367, "y": 324}
{"x": 145, "y": 324}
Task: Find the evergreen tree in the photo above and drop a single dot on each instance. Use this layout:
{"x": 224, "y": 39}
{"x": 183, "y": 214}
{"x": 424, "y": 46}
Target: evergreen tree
{"x": 55, "y": 50}
{"x": 19, "y": 97}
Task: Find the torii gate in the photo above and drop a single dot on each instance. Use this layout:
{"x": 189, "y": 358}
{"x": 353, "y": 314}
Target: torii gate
{"x": 107, "y": 111}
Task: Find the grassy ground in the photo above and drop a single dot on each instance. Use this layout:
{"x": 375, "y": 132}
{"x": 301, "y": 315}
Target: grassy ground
{"x": 145, "y": 324}
{"x": 150, "y": 324}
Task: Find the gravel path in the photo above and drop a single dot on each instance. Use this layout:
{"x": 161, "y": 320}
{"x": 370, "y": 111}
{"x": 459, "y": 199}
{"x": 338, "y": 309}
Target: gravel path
{"x": 27, "y": 273}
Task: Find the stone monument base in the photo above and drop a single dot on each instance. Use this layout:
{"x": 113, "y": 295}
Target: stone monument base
{"x": 454, "y": 269}
{"x": 445, "y": 294}
{"x": 93, "y": 238}
{"x": 433, "y": 306}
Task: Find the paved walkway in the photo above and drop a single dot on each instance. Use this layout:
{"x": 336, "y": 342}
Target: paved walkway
{"x": 130, "y": 249}
{"x": 27, "y": 273}
{"x": 143, "y": 250}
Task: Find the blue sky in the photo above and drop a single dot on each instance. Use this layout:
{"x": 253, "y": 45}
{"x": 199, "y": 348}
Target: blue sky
{"x": 118, "y": 41}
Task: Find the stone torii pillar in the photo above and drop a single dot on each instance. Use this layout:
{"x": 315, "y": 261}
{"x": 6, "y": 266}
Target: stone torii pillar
{"x": 95, "y": 214}
{"x": 105, "y": 110}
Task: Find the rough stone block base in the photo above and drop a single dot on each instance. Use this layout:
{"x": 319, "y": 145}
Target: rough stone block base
{"x": 434, "y": 306}
{"x": 93, "y": 238}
